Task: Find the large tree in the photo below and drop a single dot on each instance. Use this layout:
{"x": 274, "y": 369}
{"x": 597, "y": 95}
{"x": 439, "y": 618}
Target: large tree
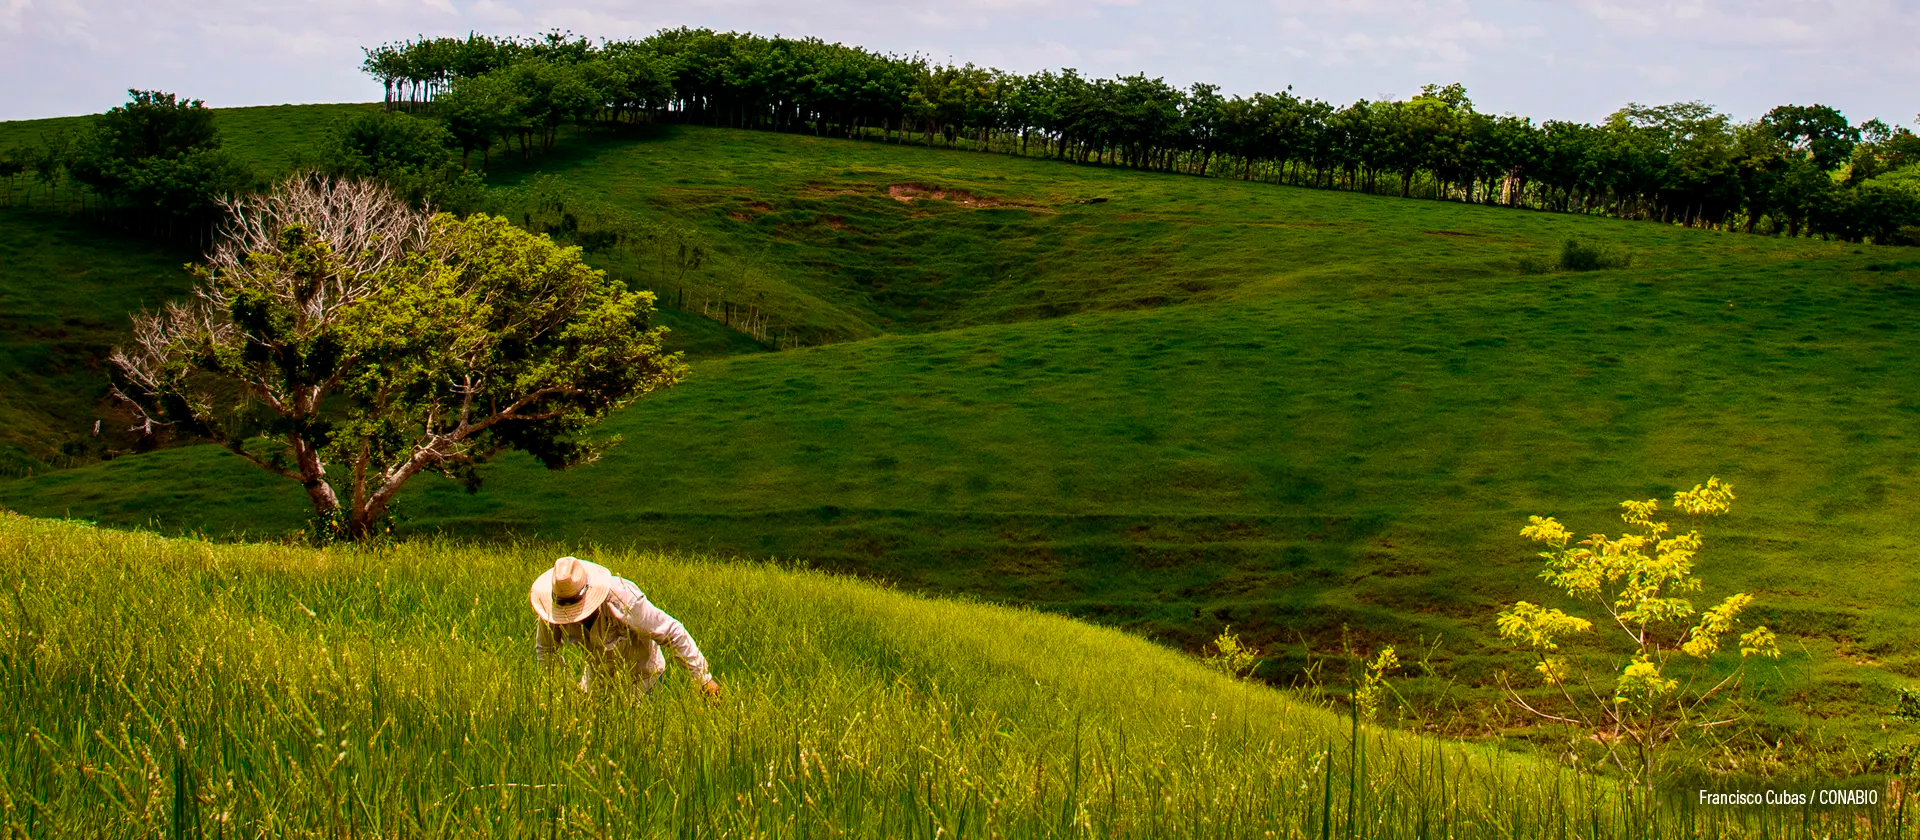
{"x": 1820, "y": 132}
{"x": 343, "y": 340}
{"x": 481, "y": 109}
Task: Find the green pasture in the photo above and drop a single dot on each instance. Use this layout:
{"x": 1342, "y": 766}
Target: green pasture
{"x": 1201, "y": 402}
{"x": 266, "y": 137}
{"x": 815, "y": 230}
{"x": 262, "y": 690}
{"x": 1288, "y": 467}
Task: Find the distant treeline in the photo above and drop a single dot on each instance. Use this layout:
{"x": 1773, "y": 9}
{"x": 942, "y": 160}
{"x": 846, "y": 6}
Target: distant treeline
{"x": 1798, "y": 170}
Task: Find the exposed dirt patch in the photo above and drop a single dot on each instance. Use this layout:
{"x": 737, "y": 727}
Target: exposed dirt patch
{"x": 838, "y": 223}
{"x": 825, "y": 190}
{"x": 910, "y": 193}
{"x": 750, "y": 211}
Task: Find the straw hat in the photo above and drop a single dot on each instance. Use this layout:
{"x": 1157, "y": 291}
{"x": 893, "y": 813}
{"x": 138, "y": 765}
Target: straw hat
{"x": 570, "y": 591}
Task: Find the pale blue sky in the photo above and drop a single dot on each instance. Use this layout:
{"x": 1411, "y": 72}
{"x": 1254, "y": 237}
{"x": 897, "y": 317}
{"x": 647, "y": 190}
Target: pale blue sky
{"x": 1548, "y": 59}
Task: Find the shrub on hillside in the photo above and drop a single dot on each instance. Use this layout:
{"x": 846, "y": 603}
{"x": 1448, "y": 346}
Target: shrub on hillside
{"x": 1639, "y": 696}
{"x": 1576, "y": 255}
{"x": 1230, "y": 656}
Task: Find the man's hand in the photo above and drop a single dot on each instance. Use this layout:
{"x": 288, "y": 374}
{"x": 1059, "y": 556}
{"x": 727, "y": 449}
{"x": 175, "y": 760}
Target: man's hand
{"x": 711, "y": 688}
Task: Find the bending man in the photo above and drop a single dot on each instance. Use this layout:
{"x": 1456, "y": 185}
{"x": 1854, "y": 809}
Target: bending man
{"x": 609, "y": 617}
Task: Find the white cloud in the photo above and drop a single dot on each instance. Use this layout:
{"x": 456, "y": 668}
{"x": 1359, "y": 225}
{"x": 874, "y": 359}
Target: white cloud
{"x": 1430, "y": 36}
{"x": 30, "y": 24}
{"x": 491, "y": 13}
{"x": 1759, "y": 53}
{"x": 1757, "y": 24}
{"x": 10, "y": 17}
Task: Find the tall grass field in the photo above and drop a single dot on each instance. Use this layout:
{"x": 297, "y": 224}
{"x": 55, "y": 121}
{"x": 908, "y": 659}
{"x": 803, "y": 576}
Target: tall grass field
{"x": 175, "y": 687}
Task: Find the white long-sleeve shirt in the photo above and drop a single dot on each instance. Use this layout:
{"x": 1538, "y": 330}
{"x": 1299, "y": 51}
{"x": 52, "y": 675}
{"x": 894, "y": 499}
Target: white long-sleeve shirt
{"x": 626, "y": 632}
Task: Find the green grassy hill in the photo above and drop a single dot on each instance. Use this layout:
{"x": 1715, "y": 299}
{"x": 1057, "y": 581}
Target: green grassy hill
{"x": 1202, "y": 402}
{"x": 848, "y": 240}
{"x": 68, "y": 284}
{"x": 65, "y": 293}
{"x": 391, "y": 692}
{"x": 265, "y": 137}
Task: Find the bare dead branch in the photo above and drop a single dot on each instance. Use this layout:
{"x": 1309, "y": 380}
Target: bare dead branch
{"x": 367, "y": 227}
{"x": 158, "y": 340}
{"x": 1515, "y": 697}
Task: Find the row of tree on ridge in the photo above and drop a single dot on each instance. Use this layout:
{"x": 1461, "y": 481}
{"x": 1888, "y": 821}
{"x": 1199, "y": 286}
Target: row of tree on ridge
{"x": 1798, "y": 170}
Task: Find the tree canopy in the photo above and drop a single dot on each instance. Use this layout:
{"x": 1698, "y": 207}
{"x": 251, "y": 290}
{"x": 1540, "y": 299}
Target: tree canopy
{"x": 342, "y": 339}
{"x": 158, "y": 152}
{"x": 413, "y": 156}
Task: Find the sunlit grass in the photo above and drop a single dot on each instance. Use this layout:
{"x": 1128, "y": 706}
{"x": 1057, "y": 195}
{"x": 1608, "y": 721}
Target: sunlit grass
{"x": 170, "y": 686}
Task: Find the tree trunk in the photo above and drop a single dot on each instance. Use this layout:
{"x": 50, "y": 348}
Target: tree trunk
{"x": 313, "y": 478}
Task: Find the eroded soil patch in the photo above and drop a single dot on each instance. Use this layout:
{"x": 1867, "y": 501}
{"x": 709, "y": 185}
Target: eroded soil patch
{"x": 825, "y": 190}
{"x": 910, "y": 193}
{"x": 750, "y": 211}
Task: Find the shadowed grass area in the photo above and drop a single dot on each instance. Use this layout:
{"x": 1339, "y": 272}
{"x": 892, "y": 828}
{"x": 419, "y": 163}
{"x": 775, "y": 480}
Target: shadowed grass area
{"x": 391, "y": 691}
{"x": 67, "y": 285}
{"x": 65, "y": 294}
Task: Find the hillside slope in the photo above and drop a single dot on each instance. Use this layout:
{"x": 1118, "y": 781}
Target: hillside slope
{"x": 265, "y": 137}
{"x": 65, "y": 294}
{"x": 1342, "y": 423}
{"x": 842, "y": 239}
{"x": 392, "y": 692}
{"x": 1291, "y": 468}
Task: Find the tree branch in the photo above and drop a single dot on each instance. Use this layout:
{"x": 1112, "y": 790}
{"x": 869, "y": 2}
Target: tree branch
{"x": 238, "y": 449}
